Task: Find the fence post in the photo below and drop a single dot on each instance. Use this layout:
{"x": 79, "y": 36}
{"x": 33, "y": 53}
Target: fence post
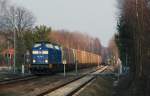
{"x": 23, "y": 69}
{"x": 64, "y": 63}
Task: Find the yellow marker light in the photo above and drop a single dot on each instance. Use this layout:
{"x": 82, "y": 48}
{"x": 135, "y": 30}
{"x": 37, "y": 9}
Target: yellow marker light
{"x": 44, "y": 52}
{"x": 34, "y": 52}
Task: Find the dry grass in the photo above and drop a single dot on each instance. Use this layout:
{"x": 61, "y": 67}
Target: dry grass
{"x": 100, "y": 87}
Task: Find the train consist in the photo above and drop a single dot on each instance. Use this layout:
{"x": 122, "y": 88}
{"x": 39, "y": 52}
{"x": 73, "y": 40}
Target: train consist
{"x": 49, "y": 58}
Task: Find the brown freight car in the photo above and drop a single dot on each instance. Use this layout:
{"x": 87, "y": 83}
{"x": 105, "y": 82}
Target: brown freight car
{"x": 87, "y": 58}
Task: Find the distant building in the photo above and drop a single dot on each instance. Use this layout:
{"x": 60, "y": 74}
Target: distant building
{"x": 6, "y": 57}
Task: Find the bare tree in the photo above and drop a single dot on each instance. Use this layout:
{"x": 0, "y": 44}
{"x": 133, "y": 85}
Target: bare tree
{"x": 3, "y": 6}
{"x": 15, "y": 18}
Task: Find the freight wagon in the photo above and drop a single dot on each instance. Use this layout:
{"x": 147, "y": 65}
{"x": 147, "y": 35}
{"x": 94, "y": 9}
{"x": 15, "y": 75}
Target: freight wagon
{"x": 48, "y": 58}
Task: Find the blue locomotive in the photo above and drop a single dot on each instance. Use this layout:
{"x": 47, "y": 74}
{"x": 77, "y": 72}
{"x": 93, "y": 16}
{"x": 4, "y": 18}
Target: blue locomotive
{"x": 44, "y": 56}
{"x": 49, "y": 58}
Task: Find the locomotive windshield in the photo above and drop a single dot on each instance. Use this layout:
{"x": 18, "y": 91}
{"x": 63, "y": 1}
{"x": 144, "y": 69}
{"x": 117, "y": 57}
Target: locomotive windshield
{"x": 56, "y": 47}
{"x": 49, "y": 45}
{"x": 37, "y": 45}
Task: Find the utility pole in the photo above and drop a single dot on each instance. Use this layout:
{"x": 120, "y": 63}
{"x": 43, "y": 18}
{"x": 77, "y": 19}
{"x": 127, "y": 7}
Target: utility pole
{"x": 14, "y": 65}
{"x": 14, "y": 51}
{"x": 140, "y": 26}
{"x": 142, "y": 30}
{"x": 8, "y": 56}
{"x": 76, "y": 56}
{"x": 64, "y": 63}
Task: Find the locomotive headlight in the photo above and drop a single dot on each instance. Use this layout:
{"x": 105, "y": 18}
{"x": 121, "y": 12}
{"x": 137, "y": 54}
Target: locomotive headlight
{"x": 44, "y": 52}
{"x": 34, "y": 61}
{"x": 46, "y": 61}
{"x": 34, "y": 52}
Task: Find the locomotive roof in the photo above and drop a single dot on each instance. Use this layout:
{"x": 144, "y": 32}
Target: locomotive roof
{"x": 48, "y": 42}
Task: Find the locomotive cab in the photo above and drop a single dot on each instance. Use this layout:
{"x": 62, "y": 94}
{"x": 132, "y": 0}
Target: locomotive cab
{"x": 44, "y": 55}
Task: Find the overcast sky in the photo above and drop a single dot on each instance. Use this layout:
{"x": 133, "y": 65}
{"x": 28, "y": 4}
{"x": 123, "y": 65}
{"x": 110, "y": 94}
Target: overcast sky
{"x": 94, "y": 17}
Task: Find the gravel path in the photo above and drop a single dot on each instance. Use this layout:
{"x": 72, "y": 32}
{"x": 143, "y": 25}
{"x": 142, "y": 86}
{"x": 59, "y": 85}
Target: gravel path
{"x": 36, "y": 85}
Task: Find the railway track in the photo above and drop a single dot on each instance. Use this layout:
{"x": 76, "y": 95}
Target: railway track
{"x": 41, "y": 85}
{"x": 18, "y": 79}
{"x": 70, "y": 88}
